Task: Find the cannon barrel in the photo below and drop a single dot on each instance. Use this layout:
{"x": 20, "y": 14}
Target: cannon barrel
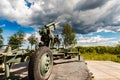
{"x": 51, "y": 26}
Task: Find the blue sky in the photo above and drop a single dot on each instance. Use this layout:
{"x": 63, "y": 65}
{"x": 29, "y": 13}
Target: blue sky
{"x": 10, "y": 28}
{"x": 96, "y": 23}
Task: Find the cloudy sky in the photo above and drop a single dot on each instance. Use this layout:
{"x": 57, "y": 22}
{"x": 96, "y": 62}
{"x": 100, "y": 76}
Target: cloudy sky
{"x": 96, "y": 22}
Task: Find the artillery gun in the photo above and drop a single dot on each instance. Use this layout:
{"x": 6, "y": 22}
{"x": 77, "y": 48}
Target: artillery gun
{"x": 41, "y": 62}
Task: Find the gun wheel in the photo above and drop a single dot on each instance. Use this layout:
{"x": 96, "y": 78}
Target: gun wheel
{"x": 40, "y": 64}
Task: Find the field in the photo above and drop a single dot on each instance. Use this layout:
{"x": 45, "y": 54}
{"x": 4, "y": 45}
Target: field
{"x": 102, "y": 57}
{"x": 104, "y": 53}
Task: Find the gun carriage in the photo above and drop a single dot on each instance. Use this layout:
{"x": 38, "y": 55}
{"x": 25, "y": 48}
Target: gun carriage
{"x": 8, "y": 57}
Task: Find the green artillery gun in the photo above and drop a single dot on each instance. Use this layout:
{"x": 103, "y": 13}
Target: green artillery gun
{"x": 41, "y": 62}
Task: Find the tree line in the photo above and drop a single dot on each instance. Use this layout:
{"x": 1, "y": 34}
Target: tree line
{"x": 17, "y": 39}
{"x": 99, "y": 49}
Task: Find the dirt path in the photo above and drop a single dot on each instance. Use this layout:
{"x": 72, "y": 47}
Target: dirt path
{"x": 104, "y": 70}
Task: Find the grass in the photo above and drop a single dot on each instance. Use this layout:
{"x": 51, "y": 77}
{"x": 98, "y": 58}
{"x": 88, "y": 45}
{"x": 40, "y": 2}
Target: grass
{"x": 102, "y": 57}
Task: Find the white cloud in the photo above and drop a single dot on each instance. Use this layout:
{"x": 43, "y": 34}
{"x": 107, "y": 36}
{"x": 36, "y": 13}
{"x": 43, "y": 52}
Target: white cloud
{"x": 27, "y": 35}
{"x": 15, "y": 10}
{"x": 95, "y": 41}
{"x": 118, "y": 30}
{"x": 100, "y": 29}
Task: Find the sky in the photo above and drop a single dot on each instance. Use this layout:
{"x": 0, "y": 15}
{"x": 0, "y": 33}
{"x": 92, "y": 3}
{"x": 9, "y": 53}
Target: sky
{"x": 96, "y": 22}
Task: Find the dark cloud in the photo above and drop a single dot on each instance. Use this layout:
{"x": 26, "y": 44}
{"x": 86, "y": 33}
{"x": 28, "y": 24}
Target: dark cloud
{"x": 42, "y": 20}
{"x": 84, "y": 29}
{"x": 111, "y": 19}
{"x": 95, "y": 13}
{"x": 89, "y": 4}
{"x": 85, "y": 16}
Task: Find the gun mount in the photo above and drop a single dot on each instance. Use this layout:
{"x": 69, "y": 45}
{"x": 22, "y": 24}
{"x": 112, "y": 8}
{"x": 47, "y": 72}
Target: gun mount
{"x": 47, "y": 37}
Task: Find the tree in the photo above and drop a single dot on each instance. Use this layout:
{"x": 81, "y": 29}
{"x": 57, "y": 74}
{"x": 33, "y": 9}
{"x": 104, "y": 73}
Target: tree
{"x": 68, "y": 35}
{"x": 33, "y": 40}
{"x": 1, "y": 38}
{"x": 16, "y": 40}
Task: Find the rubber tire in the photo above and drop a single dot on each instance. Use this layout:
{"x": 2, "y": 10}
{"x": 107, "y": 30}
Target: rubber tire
{"x": 33, "y": 66}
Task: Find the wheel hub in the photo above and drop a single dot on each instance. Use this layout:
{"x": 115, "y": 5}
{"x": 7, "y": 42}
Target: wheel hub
{"x": 45, "y": 64}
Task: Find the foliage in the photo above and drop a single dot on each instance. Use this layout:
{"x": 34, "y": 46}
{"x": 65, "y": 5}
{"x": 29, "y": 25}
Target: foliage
{"x": 103, "y": 57}
{"x": 100, "y": 49}
{"x": 33, "y": 40}
{"x": 68, "y": 35}
{"x": 100, "y": 52}
{"x": 1, "y": 38}
{"x": 16, "y": 40}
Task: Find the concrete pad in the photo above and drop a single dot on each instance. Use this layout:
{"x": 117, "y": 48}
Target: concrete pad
{"x": 104, "y": 70}
{"x": 71, "y": 69}
{"x": 63, "y": 69}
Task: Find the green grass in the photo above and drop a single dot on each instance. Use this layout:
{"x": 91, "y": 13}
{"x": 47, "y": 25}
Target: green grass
{"x": 102, "y": 57}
